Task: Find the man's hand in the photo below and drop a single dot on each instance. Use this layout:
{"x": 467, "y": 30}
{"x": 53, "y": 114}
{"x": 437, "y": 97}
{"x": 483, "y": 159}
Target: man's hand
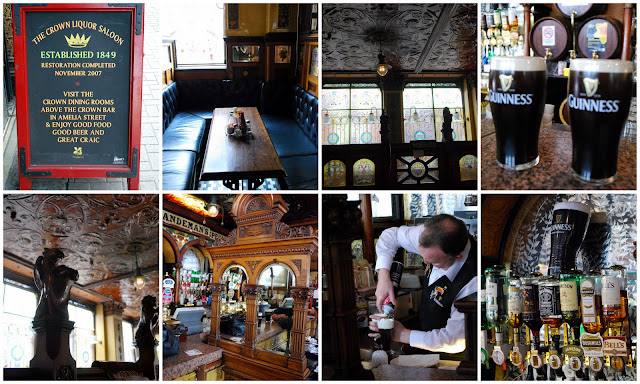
{"x": 400, "y": 332}
{"x": 384, "y": 288}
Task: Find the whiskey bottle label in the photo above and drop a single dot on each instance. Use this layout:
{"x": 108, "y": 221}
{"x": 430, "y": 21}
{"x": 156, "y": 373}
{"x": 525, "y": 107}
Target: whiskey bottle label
{"x": 611, "y": 291}
{"x": 492, "y": 296}
{"x": 549, "y": 305}
{"x": 529, "y": 299}
{"x": 568, "y": 296}
{"x": 515, "y": 301}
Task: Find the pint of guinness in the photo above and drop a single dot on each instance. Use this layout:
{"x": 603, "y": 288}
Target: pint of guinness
{"x": 517, "y": 92}
{"x": 599, "y": 98}
{"x": 385, "y": 329}
{"x": 569, "y": 225}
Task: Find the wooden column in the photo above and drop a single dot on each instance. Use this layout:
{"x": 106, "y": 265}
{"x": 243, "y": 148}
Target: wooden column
{"x": 251, "y": 322}
{"x": 341, "y": 224}
{"x": 368, "y": 248}
{"x": 626, "y": 32}
{"x": 300, "y": 296}
{"x": 113, "y": 330}
{"x": 527, "y": 27}
{"x": 216, "y": 295}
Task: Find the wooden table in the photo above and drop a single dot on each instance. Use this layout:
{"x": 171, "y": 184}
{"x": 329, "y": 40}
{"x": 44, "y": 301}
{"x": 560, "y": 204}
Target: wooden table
{"x": 232, "y": 160}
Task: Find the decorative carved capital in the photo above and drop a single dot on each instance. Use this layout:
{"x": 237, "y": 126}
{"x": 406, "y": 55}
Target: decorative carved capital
{"x": 113, "y": 308}
{"x": 300, "y": 293}
{"x": 251, "y": 290}
{"x": 216, "y": 288}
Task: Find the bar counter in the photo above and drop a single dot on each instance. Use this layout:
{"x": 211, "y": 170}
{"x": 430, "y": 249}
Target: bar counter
{"x": 554, "y": 169}
{"x": 181, "y": 364}
{"x": 399, "y": 373}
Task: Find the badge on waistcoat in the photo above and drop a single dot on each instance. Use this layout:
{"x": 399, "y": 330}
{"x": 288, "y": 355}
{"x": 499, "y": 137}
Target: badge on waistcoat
{"x": 436, "y": 295}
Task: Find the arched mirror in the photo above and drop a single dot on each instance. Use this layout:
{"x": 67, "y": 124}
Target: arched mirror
{"x": 275, "y": 308}
{"x": 233, "y": 306}
{"x": 194, "y": 278}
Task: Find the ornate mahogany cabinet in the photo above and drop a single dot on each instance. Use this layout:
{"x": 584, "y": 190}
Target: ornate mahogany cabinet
{"x": 260, "y": 241}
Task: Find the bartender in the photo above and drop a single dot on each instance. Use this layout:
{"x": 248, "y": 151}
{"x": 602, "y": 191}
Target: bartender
{"x": 450, "y": 254}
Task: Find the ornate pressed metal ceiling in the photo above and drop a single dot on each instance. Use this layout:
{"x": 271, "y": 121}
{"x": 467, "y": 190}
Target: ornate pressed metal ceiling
{"x": 351, "y": 35}
{"x": 101, "y": 235}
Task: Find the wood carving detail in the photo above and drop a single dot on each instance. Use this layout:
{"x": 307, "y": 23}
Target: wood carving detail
{"x": 256, "y": 230}
{"x": 252, "y": 265}
{"x": 257, "y": 204}
{"x": 297, "y": 263}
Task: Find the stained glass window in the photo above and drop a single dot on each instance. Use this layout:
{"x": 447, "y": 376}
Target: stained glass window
{"x": 19, "y": 308}
{"x": 468, "y": 168}
{"x": 127, "y": 342}
{"x": 417, "y": 170}
{"x": 82, "y": 339}
{"x": 364, "y": 173}
{"x": 351, "y": 114}
{"x": 423, "y": 104}
{"x": 335, "y": 174}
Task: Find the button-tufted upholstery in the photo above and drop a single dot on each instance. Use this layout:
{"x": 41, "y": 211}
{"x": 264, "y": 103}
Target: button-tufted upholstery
{"x": 290, "y": 115}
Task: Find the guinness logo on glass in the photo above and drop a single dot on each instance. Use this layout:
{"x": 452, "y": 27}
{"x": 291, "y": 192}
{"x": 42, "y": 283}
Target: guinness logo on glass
{"x": 505, "y": 81}
{"x": 590, "y": 86}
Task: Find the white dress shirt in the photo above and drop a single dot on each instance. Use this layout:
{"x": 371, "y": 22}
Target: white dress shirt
{"x": 449, "y": 339}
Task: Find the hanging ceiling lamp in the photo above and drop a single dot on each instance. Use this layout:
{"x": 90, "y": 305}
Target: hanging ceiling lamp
{"x": 383, "y": 68}
{"x": 139, "y": 279}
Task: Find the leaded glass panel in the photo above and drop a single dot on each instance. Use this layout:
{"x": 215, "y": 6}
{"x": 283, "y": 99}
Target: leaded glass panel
{"x": 346, "y": 114}
{"x": 428, "y": 101}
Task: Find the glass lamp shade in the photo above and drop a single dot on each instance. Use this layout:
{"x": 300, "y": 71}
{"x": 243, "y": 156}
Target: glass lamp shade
{"x": 139, "y": 282}
{"x": 326, "y": 119}
{"x": 372, "y": 117}
{"x": 383, "y": 69}
{"x": 415, "y": 116}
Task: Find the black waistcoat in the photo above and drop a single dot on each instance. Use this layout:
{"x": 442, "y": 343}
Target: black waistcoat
{"x": 437, "y": 298}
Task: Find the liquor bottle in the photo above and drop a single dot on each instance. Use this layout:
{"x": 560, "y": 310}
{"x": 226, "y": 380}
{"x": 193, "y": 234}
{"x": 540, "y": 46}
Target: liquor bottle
{"x": 496, "y": 297}
{"x": 514, "y": 304}
{"x": 549, "y": 301}
{"x": 530, "y": 311}
{"x": 590, "y": 303}
{"x": 614, "y": 294}
{"x": 504, "y": 15}
{"x": 513, "y": 20}
{"x": 570, "y": 303}
{"x": 497, "y": 18}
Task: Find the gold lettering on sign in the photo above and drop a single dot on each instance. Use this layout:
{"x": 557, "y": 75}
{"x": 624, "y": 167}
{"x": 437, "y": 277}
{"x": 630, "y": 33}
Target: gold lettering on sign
{"x": 186, "y": 224}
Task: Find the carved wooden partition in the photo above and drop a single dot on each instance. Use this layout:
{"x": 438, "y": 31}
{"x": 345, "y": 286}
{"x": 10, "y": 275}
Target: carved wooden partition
{"x": 259, "y": 241}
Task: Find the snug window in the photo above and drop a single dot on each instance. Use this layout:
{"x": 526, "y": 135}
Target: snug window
{"x": 351, "y": 114}
{"x": 423, "y": 105}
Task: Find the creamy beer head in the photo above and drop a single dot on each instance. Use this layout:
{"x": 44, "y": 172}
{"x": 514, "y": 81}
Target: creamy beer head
{"x": 517, "y": 93}
{"x": 598, "y": 65}
{"x": 599, "y": 98}
{"x": 519, "y": 63}
{"x": 385, "y": 323}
